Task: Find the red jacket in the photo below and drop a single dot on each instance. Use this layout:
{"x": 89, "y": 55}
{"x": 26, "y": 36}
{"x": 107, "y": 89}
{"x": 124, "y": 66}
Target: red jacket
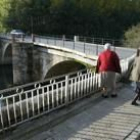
{"x": 108, "y": 61}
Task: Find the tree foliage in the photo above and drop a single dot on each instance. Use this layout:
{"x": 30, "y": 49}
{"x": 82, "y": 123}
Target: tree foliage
{"x": 132, "y": 37}
{"x": 4, "y": 7}
{"x": 100, "y": 18}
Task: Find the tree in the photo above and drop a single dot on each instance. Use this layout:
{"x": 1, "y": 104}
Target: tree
{"x": 132, "y": 37}
{"x": 5, "y": 6}
{"x": 98, "y": 18}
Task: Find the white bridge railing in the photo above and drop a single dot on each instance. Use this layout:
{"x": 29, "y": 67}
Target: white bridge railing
{"x": 23, "y": 103}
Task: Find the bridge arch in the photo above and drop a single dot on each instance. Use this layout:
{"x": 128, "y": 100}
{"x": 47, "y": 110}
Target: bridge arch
{"x": 6, "y": 56}
{"x": 64, "y": 67}
{"x": 5, "y": 52}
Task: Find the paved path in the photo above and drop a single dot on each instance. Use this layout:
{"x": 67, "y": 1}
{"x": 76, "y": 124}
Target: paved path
{"x": 91, "y": 119}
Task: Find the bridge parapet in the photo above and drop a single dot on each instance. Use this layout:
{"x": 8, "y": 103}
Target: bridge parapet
{"x": 88, "y": 46}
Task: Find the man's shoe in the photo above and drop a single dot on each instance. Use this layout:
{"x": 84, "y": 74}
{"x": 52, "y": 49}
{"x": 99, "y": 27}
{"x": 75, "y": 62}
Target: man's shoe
{"x": 135, "y": 103}
{"x": 114, "y": 95}
{"x": 105, "y": 96}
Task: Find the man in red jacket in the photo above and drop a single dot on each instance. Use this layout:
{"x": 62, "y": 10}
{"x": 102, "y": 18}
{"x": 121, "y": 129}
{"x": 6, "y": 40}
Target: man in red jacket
{"x": 108, "y": 65}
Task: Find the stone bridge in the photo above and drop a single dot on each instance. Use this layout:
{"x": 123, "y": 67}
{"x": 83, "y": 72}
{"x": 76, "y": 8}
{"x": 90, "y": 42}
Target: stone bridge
{"x": 30, "y": 62}
{"x": 109, "y": 119}
{"x": 37, "y": 59}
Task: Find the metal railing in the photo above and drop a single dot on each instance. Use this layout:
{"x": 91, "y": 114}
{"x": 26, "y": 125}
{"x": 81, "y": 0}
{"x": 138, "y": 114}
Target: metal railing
{"x": 23, "y": 103}
{"x": 88, "y": 46}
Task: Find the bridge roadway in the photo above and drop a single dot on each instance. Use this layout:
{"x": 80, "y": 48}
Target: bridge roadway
{"x": 92, "y": 118}
{"x": 86, "y": 48}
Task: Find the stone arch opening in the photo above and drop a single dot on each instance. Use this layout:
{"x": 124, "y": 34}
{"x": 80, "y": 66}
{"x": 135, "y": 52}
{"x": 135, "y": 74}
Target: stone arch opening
{"x": 6, "y": 68}
{"x": 64, "y": 68}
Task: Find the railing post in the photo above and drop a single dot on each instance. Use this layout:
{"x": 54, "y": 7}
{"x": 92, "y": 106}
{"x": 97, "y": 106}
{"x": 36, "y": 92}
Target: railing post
{"x": 73, "y": 45}
{"x": 113, "y": 42}
{"x": 97, "y": 49}
{"x": 66, "y": 89}
{"x": 38, "y": 86}
{"x": 47, "y": 40}
{"x": 55, "y": 41}
{"x": 102, "y": 41}
{"x": 93, "y": 40}
{"x": 114, "y": 48}
{"x": 13, "y": 38}
{"x": 33, "y": 38}
{"x": 63, "y": 37}
{"x": 1, "y": 116}
{"x": 84, "y": 44}
{"x": 76, "y": 38}
{"x": 74, "y": 42}
{"x": 22, "y": 37}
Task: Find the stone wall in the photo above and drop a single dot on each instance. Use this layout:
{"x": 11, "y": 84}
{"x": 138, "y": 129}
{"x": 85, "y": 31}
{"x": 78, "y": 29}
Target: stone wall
{"x": 31, "y": 63}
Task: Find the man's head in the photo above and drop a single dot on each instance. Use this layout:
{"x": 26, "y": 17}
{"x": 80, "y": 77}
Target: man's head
{"x": 107, "y": 46}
